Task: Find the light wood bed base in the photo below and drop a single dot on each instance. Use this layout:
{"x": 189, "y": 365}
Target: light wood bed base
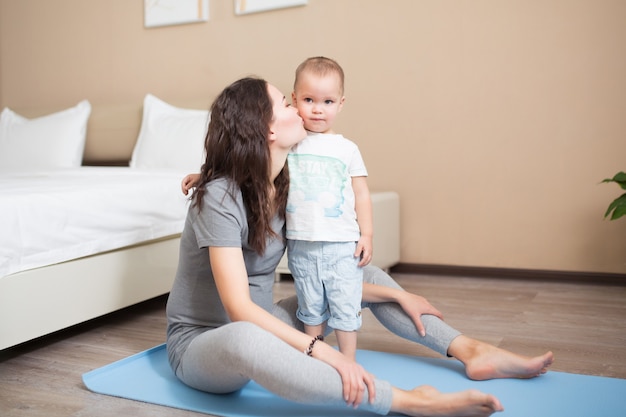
{"x": 40, "y": 301}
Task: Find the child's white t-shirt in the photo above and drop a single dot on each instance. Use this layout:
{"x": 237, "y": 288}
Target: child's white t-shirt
{"x": 321, "y": 203}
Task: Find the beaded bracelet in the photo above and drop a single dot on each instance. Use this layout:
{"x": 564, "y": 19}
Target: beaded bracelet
{"x": 309, "y": 350}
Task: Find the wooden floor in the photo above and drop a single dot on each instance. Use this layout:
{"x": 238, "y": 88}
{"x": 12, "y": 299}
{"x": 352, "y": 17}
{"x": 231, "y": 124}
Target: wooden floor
{"x": 583, "y": 324}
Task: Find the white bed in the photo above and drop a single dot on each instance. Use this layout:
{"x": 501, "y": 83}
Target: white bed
{"x": 82, "y": 242}
{"x": 78, "y": 242}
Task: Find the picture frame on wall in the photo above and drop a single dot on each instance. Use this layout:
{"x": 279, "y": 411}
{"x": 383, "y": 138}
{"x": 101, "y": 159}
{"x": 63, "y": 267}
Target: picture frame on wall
{"x": 174, "y": 12}
{"x": 256, "y": 6}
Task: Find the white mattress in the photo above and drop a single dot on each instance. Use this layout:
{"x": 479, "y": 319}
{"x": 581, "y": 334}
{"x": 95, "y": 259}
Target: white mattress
{"x": 55, "y": 216}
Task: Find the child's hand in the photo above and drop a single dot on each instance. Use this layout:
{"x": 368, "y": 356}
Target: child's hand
{"x": 364, "y": 250}
{"x": 188, "y": 182}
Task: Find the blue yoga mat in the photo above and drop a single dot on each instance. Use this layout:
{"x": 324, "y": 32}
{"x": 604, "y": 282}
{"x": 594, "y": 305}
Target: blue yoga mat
{"x": 147, "y": 377}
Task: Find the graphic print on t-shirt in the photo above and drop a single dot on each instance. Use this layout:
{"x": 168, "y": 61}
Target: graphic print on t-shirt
{"x": 318, "y": 181}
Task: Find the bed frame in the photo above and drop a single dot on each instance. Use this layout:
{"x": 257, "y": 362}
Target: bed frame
{"x": 40, "y": 301}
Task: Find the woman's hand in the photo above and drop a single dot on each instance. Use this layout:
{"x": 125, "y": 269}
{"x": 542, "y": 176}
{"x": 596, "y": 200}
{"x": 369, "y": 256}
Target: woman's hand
{"x": 415, "y": 306}
{"x": 354, "y": 377}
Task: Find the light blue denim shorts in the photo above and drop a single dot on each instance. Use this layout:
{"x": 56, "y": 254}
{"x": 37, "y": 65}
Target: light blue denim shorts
{"x": 328, "y": 282}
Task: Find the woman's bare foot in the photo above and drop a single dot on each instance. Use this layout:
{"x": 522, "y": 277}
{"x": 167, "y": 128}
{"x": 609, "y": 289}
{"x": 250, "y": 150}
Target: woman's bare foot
{"x": 483, "y": 361}
{"x": 427, "y": 401}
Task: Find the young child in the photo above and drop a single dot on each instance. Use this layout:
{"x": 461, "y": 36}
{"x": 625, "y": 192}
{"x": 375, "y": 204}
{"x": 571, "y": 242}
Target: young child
{"x": 329, "y": 211}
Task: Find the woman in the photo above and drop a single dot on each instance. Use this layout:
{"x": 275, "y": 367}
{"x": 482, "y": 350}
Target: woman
{"x": 223, "y": 329}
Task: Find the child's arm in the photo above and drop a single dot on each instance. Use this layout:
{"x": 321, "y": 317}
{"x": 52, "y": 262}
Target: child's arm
{"x": 363, "y": 207}
{"x": 188, "y": 182}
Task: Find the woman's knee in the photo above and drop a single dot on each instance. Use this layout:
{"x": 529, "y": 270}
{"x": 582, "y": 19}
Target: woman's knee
{"x": 374, "y": 275}
{"x": 218, "y": 360}
{"x": 243, "y": 337}
{"x": 285, "y": 310}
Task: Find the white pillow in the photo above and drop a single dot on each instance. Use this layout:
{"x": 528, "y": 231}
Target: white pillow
{"x": 170, "y": 137}
{"x": 53, "y": 141}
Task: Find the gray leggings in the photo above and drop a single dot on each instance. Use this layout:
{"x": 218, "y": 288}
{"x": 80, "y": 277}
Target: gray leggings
{"x": 223, "y": 360}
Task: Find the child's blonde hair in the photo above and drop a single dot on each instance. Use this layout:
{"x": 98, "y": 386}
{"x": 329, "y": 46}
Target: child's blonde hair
{"x": 321, "y": 66}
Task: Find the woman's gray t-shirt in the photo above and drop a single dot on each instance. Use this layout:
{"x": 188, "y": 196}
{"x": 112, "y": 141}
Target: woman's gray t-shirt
{"x": 194, "y": 306}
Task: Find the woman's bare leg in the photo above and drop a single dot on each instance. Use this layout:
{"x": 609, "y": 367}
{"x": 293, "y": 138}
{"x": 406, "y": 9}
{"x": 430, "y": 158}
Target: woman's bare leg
{"x": 427, "y": 401}
{"x": 484, "y": 361}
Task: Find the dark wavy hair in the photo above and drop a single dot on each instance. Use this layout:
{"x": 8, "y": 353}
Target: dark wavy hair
{"x": 236, "y": 147}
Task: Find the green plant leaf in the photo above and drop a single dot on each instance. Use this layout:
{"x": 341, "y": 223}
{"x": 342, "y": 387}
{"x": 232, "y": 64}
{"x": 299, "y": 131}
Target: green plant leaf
{"x": 619, "y": 178}
{"x": 618, "y": 207}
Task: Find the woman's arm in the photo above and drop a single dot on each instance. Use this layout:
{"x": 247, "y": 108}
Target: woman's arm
{"x": 413, "y": 305}
{"x": 231, "y": 279}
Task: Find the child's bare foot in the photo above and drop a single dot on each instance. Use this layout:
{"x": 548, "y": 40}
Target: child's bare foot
{"x": 483, "y": 361}
{"x": 427, "y": 401}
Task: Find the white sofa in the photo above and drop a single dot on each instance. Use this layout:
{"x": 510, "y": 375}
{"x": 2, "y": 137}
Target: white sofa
{"x": 386, "y": 211}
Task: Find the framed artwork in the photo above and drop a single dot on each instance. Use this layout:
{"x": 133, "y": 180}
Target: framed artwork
{"x": 174, "y": 12}
{"x": 255, "y": 6}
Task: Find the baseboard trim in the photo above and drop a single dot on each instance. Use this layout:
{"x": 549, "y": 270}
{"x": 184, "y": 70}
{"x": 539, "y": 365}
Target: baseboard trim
{"x": 511, "y": 273}
{"x": 107, "y": 163}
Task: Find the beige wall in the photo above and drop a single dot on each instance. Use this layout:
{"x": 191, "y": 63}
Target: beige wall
{"x": 494, "y": 120}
